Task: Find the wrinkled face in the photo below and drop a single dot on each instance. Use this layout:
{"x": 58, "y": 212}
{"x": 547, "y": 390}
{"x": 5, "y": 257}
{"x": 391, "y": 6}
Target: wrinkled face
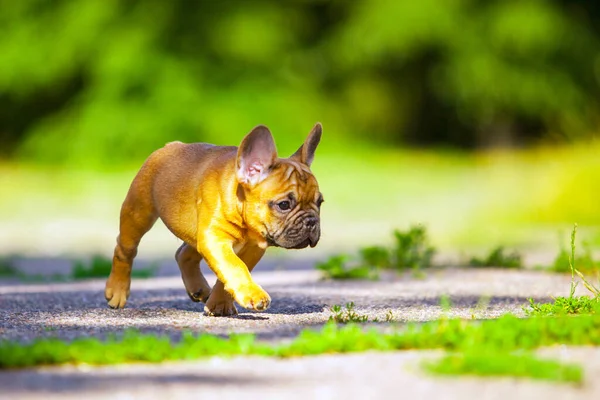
{"x": 285, "y": 207}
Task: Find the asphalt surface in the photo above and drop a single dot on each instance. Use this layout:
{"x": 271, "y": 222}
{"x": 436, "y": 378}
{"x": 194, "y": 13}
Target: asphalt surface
{"x": 300, "y": 299}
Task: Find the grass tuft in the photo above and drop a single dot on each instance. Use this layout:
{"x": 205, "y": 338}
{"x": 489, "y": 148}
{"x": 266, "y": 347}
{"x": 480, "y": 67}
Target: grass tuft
{"x": 569, "y": 305}
{"x": 338, "y": 267}
{"x": 505, "y": 364}
{"x": 565, "y": 259}
{"x": 499, "y": 257}
{"x": 564, "y": 306}
{"x": 346, "y": 315}
{"x": 411, "y": 251}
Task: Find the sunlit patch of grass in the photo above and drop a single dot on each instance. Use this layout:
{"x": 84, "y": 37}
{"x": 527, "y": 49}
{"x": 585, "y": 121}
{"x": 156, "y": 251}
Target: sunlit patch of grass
{"x": 497, "y": 364}
{"x": 467, "y": 200}
{"x": 505, "y": 334}
{"x": 519, "y": 197}
{"x": 564, "y": 306}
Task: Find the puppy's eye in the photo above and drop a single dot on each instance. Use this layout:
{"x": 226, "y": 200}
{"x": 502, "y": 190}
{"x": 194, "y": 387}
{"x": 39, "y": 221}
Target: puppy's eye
{"x": 319, "y": 202}
{"x": 284, "y": 205}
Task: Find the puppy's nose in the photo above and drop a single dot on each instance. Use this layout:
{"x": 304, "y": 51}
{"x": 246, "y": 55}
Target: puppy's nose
{"x": 310, "y": 222}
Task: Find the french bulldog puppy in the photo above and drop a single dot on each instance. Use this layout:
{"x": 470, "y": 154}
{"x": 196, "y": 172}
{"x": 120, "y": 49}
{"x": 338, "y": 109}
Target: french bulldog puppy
{"x": 227, "y": 204}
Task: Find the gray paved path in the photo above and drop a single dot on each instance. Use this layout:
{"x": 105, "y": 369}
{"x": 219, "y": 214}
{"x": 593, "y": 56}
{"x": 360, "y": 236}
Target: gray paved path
{"x": 300, "y": 299}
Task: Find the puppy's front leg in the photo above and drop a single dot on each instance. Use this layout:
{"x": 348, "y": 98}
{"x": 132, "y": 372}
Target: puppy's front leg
{"x": 220, "y": 303}
{"x": 217, "y": 250}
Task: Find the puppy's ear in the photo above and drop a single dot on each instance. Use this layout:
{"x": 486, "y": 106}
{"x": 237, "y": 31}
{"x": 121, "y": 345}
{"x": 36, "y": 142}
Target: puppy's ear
{"x": 306, "y": 153}
{"x": 255, "y": 156}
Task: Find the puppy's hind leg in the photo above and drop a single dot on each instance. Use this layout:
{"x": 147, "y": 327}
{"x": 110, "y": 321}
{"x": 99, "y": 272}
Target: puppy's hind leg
{"x": 195, "y": 283}
{"x": 137, "y": 217}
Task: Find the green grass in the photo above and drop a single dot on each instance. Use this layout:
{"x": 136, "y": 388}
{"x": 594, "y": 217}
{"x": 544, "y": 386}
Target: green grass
{"x": 497, "y": 364}
{"x": 347, "y": 314}
{"x": 337, "y": 267}
{"x": 585, "y": 262}
{"x": 505, "y": 334}
{"x": 500, "y": 347}
{"x": 572, "y": 304}
{"x": 376, "y": 257}
{"x": 410, "y": 251}
{"x": 564, "y": 306}
{"x": 499, "y": 257}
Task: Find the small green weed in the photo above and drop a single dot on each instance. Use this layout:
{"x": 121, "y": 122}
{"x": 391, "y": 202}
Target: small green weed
{"x": 376, "y": 256}
{"x": 571, "y": 304}
{"x": 338, "y": 267}
{"x": 565, "y": 260}
{"x": 100, "y": 266}
{"x": 389, "y": 316}
{"x": 411, "y": 250}
{"x": 347, "y": 314}
{"x": 505, "y": 364}
{"x": 564, "y": 306}
{"x": 586, "y": 263}
{"x": 499, "y": 257}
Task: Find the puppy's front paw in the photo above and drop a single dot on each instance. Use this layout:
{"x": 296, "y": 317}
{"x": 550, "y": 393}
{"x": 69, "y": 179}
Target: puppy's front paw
{"x": 116, "y": 292}
{"x": 224, "y": 308}
{"x": 252, "y": 297}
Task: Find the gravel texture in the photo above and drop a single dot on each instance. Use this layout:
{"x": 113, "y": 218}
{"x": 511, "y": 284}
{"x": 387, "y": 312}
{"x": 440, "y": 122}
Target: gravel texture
{"x": 299, "y": 299}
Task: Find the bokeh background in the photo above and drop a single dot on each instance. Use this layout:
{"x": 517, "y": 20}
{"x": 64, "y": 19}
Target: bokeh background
{"x": 477, "y": 118}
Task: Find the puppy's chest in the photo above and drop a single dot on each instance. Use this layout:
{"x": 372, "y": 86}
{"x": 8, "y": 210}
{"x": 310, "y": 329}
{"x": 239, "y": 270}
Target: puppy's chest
{"x": 249, "y": 241}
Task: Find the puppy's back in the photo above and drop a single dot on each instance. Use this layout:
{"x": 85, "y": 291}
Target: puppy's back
{"x": 171, "y": 175}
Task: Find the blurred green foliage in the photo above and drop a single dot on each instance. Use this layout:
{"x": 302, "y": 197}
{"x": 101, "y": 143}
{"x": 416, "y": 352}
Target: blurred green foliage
{"x": 411, "y": 250}
{"x": 499, "y": 257}
{"x": 106, "y": 81}
{"x": 584, "y": 262}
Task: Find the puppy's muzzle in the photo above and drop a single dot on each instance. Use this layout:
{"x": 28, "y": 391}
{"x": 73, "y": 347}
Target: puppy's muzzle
{"x": 302, "y": 234}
